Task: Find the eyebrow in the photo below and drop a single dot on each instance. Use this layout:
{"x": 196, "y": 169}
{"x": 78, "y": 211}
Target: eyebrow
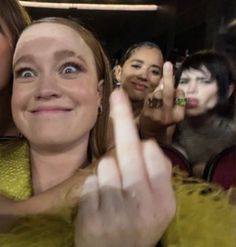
{"x": 59, "y": 55}
{"x": 197, "y": 78}
{"x": 141, "y": 61}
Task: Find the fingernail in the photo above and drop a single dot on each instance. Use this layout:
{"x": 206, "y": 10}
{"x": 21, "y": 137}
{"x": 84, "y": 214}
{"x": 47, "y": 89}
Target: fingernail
{"x": 168, "y": 65}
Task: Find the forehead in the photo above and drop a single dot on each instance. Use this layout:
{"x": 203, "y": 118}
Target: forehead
{"x": 147, "y": 52}
{"x": 201, "y": 72}
{"x": 51, "y": 36}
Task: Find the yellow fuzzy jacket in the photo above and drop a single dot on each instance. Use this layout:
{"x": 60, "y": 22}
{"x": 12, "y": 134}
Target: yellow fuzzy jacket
{"x": 204, "y": 218}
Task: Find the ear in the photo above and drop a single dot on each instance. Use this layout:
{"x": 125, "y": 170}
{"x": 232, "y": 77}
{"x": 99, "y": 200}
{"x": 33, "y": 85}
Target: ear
{"x": 117, "y": 72}
{"x": 100, "y": 88}
{"x": 231, "y": 89}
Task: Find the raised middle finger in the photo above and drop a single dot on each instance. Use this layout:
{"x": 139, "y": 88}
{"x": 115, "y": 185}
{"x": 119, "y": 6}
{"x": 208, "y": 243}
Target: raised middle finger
{"x": 169, "y": 89}
{"x": 129, "y": 149}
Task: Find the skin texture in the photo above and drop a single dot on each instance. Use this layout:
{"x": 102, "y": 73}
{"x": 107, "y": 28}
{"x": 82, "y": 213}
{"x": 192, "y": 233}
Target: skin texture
{"x": 54, "y": 84}
{"x": 160, "y": 122}
{"x": 200, "y": 90}
{"x": 144, "y": 77}
{"x": 129, "y": 198}
{"x": 141, "y": 72}
{"x": 125, "y": 200}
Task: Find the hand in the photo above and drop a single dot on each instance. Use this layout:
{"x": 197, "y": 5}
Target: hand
{"x": 162, "y": 108}
{"x": 130, "y": 201}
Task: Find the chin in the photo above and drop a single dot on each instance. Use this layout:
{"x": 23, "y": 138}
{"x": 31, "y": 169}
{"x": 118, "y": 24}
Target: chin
{"x": 137, "y": 97}
{"x": 194, "y": 113}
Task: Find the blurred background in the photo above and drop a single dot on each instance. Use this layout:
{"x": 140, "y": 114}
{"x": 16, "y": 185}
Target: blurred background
{"x": 179, "y": 27}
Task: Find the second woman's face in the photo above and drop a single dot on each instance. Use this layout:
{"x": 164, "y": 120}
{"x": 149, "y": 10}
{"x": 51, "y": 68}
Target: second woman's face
{"x": 142, "y": 72}
{"x": 200, "y": 90}
{"x": 6, "y": 52}
{"x": 55, "y": 90}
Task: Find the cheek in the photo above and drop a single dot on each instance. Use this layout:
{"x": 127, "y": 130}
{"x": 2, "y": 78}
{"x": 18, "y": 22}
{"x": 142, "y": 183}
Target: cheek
{"x": 155, "y": 81}
{"x": 20, "y": 96}
{"x": 210, "y": 96}
{"x": 212, "y": 101}
{"x": 126, "y": 74}
{"x": 86, "y": 92}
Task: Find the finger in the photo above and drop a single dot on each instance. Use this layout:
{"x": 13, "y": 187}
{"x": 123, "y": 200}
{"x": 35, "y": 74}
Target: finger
{"x": 179, "y": 109}
{"x": 169, "y": 90}
{"x": 156, "y": 162}
{"x": 109, "y": 184}
{"x": 160, "y": 86}
{"x": 89, "y": 199}
{"x": 158, "y": 94}
{"x": 129, "y": 155}
{"x": 159, "y": 172}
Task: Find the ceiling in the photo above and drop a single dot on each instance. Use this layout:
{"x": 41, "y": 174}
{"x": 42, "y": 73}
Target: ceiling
{"x": 103, "y": 1}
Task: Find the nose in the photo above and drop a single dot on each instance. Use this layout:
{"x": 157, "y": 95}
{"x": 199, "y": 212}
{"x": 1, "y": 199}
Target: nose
{"x": 143, "y": 74}
{"x": 47, "y": 88}
{"x": 192, "y": 87}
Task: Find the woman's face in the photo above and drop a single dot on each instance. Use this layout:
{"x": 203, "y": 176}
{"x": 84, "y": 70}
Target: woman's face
{"x": 141, "y": 72}
{"x": 6, "y": 52}
{"x": 200, "y": 90}
{"x": 56, "y": 93}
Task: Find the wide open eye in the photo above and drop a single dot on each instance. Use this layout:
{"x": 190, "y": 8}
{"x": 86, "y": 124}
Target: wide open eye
{"x": 25, "y": 73}
{"x": 69, "y": 68}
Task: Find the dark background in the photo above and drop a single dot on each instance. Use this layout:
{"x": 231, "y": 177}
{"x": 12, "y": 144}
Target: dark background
{"x": 178, "y": 26}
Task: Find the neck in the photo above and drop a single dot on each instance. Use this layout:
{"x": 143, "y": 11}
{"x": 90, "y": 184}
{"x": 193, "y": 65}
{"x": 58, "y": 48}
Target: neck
{"x": 137, "y": 106}
{"x": 52, "y": 168}
{"x": 202, "y": 120}
{"x": 7, "y": 126}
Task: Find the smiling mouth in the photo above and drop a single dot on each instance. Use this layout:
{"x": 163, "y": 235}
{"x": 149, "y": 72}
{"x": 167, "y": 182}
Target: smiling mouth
{"x": 50, "y": 110}
{"x": 139, "y": 86}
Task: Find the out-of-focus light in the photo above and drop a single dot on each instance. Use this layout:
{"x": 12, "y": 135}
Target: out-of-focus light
{"x": 88, "y": 6}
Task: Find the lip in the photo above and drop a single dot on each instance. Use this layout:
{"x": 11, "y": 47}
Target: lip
{"x": 139, "y": 86}
{"x": 50, "y": 109}
{"x": 192, "y": 103}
